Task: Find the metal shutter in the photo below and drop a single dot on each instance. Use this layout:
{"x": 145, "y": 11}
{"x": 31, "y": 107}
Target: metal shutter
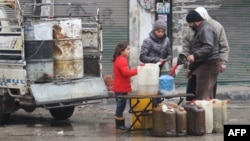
{"x": 234, "y": 16}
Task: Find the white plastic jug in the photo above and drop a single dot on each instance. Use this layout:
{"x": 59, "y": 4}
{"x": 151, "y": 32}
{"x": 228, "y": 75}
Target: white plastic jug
{"x": 148, "y": 79}
{"x": 207, "y": 105}
{"x": 220, "y": 114}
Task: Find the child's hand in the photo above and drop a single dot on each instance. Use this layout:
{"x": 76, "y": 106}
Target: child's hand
{"x": 160, "y": 62}
{"x": 142, "y": 64}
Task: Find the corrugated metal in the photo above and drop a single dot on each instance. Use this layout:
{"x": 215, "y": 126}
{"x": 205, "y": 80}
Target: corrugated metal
{"x": 26, "y": 9}
{"x": 115, "y": 29}
{"x": 234, "y": 16}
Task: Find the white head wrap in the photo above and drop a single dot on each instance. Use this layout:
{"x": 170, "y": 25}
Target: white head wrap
{"x": 203, "y": 13}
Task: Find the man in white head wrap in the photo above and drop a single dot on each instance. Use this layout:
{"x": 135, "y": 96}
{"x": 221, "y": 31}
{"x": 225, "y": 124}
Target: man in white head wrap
{"x": 223, "y": 48}
{"x": 203, "y": 13}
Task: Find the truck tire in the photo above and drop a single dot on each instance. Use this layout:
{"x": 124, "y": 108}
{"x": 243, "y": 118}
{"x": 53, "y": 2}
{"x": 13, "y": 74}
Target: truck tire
{"x": 4, "y": 117}
{"x": 1, "y": 114}
{"x": 62, "y": 113}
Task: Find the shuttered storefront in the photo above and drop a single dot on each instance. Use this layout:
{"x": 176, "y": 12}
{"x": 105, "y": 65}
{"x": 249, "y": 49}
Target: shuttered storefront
{"x": 234, "y": 16}
{"x": 115, "y": 29}
{"x": 114, "y": 18}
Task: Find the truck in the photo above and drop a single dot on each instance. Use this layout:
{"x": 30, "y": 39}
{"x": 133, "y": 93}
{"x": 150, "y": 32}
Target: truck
{"x": 49, "y": 61}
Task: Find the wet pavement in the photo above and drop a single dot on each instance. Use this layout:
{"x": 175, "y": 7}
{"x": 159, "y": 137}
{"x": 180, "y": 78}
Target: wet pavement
{"x": 96, "y": 122}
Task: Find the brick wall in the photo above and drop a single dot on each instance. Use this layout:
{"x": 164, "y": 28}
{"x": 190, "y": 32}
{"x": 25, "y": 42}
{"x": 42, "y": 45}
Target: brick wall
{"x": 179, "y": 11}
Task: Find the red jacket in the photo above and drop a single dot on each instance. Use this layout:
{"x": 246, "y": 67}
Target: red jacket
{"x": 122, "y": 75}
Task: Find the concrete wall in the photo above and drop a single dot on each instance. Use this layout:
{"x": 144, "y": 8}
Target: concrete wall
{"x": 141, "y": 20}
{"x": 179, "y": 11}
{"x": 140, "y": 24}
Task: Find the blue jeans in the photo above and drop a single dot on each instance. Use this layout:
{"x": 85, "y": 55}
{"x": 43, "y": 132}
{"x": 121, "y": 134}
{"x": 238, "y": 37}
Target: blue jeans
{"x": 120, "y": 104}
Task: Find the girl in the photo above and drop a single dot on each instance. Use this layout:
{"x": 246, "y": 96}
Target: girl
{"x": 122, "y": 85}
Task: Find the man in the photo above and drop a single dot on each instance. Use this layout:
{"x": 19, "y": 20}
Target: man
{"x": 223, "y": 49}
{"x": 203, "y": 55}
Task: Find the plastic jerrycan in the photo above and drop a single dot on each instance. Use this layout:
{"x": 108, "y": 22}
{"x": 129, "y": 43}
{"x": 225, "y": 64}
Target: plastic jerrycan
{"x": 220, "y": 114}
{"x": 181, "y": 121}
{"x": 147, "y": 84}
{"x": 164, "y": 121}
{"x": 166, "y": 84}
{"x": 170, "y": 122}
{"x": 158, "y": 122}
{"x": 208, "y": 107}
{"x": 224, "y": 111}
{"x": 146, "y": 118}
{"x": 148, "y": 79}
{"x": 195, "y": 119}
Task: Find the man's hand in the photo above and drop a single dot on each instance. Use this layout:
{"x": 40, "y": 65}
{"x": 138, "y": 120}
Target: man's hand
{"x": 223, "y": 68}
{"x": 188, "y": 74}
{"x": 190, "y": 58}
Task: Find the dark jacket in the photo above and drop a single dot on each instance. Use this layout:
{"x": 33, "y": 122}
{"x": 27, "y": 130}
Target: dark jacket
{"x": 222, "y": 39}
{"x": 204, "y": 45}
{"x": 153, "y": 49}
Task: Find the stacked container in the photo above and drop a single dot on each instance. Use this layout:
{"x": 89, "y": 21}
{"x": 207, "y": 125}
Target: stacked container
{"x": 158, "y": 122}
{"x": 195, "y": 119}
{"x": 164, "y": 122}
{"x": 148, "y": 84}
{"x": 220, "y": 114}
{"x": 39, "y": 51}
{"x": 144, "y": 109}
{"x": 148, "y": 79}
{"x": 68, "y": 49}
{"x": 208, "y": 107}
{"x": 181, "y": 121}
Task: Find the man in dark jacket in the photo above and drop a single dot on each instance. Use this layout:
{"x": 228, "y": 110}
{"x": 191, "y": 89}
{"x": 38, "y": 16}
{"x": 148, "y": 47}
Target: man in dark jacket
{"x": 203, "y": 55}
{"x": 223, "y": 48}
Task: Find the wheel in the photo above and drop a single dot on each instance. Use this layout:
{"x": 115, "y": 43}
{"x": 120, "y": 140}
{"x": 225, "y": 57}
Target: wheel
{"x": 5, "y": 102}
{"x": 62, "y": 113}
{"x": 4, "y": 117}
{"x": 29, "y": 109}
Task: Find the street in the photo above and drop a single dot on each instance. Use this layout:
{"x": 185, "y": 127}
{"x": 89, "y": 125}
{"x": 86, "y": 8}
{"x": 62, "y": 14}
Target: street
{"x": 96, "y": 122}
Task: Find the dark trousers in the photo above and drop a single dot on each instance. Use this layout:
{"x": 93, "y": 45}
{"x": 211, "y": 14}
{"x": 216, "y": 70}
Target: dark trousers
{"x": 191, "y": 88}
{"x": 156, "y": 101}
{"x": 206, "y": 76}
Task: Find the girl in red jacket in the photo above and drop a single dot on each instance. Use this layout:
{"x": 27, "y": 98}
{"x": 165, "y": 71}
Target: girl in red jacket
{"x": 122, "y": 85}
